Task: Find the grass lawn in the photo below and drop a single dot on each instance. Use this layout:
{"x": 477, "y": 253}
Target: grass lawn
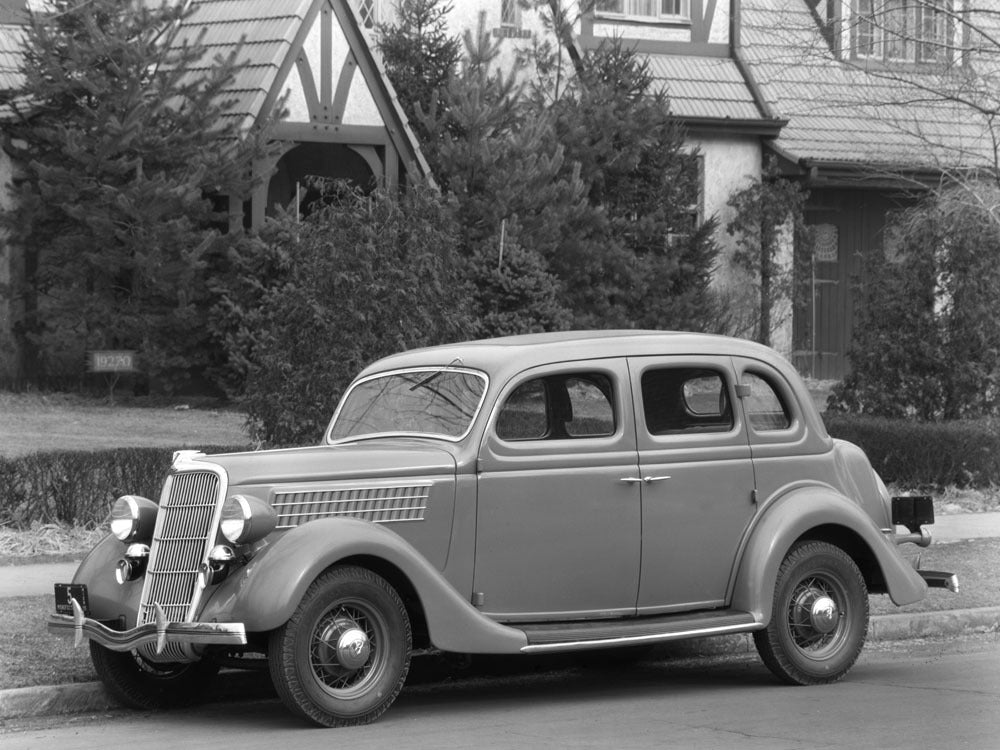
{"x": 37, "y": 422}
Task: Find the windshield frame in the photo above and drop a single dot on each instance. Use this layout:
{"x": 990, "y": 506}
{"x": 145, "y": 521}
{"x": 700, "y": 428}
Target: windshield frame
{"x": 430, "y": 371}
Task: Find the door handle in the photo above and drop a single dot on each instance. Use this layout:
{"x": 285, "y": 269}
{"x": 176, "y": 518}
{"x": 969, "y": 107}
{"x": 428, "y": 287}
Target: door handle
{"x": 644, "y": 480}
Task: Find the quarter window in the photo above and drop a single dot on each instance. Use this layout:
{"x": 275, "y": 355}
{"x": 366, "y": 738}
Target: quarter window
{"x": 764, "y": 408}
{"x": 684, "y": 400}
{"x": 559, "y": 407}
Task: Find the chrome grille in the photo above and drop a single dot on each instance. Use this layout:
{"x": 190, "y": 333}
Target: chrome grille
{"x": 376, "y": 504}
{"x": 185, "y": 526}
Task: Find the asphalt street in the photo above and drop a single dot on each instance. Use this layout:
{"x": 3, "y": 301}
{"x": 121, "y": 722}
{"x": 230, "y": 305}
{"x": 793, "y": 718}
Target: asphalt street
{"x": 904, "y": 695}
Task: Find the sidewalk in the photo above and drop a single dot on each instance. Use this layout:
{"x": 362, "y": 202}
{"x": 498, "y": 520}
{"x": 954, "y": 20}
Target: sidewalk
{"x": 37, "y": 580}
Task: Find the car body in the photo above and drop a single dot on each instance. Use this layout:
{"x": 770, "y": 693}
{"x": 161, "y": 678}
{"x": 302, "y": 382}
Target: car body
{"x": 530, "y": 494}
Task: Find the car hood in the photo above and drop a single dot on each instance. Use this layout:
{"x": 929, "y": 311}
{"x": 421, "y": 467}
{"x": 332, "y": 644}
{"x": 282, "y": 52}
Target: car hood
{"x": 333, "y": 462}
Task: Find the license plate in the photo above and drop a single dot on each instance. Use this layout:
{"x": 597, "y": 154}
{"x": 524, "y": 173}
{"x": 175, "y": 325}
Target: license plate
{"x": 78, "y": 591}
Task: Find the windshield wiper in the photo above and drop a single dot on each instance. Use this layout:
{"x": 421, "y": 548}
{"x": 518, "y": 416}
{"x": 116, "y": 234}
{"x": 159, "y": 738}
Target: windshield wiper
{"x": 430, "y": 378}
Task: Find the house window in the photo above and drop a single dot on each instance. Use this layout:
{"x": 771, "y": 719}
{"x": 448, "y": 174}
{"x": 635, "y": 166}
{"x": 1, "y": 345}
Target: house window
{"x": 368, "y": 12}
{"x": 653, "y": 10}
{"x": 902, "y": 30}
{"x": 510, "y": 14}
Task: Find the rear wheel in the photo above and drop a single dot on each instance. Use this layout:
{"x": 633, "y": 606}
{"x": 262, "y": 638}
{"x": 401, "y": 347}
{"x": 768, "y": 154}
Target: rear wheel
{"x": 343, "y": 656}
{"x": 139, "y": 683}
{"x": 820, "y": 617}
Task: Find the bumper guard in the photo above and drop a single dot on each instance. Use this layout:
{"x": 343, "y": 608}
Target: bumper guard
{"x": 160, "y": 632}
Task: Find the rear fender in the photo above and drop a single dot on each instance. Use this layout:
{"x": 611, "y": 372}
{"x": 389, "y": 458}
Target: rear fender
{"x": 802, "y": 513}
{"x": 263, "y": 594}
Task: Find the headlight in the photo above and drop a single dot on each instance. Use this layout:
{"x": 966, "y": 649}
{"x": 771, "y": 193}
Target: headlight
{"x": 246, "y": 519}
{"x": 133, "y": 518}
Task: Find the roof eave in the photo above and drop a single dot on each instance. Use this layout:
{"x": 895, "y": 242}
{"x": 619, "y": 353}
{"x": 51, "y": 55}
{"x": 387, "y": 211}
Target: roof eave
{"x": 729, "y": 125}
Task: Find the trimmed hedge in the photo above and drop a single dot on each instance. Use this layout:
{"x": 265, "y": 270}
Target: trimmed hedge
{"x": 78, "y": 487}
{"x": 925, "y": 454}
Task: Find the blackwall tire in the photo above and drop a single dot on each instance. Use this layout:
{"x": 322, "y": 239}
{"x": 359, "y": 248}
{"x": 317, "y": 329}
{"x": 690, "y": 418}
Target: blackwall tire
{"x": 820, "y": 617}
{"x": 139, "y": 683}
{"x": 343, "y": 657}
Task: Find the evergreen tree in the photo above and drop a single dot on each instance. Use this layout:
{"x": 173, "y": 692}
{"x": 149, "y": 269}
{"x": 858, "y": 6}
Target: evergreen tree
{"x": 497, "y": 161}
{"x": 420, "y": 56}
{"x": 120, "y": 142}
{"x": 647, "y": 261}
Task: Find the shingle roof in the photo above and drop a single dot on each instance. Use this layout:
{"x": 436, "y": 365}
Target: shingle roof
{"x": 838, "y": 112}
{"x": 704, "y": 87}
{"x": 266, "y": 30}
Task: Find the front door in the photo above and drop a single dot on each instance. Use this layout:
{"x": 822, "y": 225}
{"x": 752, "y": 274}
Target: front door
{"x": 697, "y": 493}
{"x": 558, "y": 530}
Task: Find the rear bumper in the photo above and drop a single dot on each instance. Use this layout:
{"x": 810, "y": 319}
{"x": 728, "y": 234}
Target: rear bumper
{"x": 937, "y": 579}
{"x": 159, "y": 633}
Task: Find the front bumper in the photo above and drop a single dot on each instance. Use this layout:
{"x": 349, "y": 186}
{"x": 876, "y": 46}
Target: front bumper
{"x": 159, "y": 633}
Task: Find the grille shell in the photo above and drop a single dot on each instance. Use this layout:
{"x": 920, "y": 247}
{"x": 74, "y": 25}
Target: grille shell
{"x": 186, "y": 528}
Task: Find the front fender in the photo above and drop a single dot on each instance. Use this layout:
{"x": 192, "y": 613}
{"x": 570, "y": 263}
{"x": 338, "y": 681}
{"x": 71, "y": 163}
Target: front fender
{"x": 264, "y": 594}
{"x": 108, "y": 599}
{"x": 790, "y": 518}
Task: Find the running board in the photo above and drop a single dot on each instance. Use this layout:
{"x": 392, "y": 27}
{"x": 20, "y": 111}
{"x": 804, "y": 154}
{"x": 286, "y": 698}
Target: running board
{"x": 633, "y": 631}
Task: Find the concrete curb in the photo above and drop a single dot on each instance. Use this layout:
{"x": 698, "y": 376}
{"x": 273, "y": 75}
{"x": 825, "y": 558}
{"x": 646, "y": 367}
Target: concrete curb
{"x": 47, "y": 700}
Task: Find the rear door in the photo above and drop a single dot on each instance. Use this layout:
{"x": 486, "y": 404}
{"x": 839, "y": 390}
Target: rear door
{"x": 697, "y": 493}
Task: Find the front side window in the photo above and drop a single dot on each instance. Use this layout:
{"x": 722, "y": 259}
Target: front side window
{"x": 559, "y": 407}
{"x": 679, "y": 400}
{"x": 645, "y": 9}
{"x": 427, "y": 402}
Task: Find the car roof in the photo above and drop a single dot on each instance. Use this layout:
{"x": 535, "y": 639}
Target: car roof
{"x": 515, "y": 353}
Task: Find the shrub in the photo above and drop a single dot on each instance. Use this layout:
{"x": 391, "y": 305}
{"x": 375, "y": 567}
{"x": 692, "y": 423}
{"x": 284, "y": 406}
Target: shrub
{"x": 926, "y": 343}
{"x": 364, "y": 276}
{"x": 78, "y": 487}
{"x": 925, "y": 454}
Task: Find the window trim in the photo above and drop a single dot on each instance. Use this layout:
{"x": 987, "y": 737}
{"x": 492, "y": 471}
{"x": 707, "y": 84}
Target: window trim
{"x": 879, "y": 41}
{"x": 660, "y": 18}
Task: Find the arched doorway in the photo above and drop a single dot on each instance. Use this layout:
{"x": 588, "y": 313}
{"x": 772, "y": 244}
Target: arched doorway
{"x": 300, "y": 167}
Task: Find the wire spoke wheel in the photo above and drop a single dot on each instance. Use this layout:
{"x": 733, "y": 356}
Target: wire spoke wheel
{"x": 343, "y": 656}
{"x": 819, "y": 619}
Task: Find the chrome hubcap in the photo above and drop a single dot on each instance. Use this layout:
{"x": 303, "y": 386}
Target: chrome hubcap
{"x": 353, "y": 648}
{"x": 824, "y": 614}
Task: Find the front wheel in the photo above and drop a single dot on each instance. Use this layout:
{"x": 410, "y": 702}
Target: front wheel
{"x": 139, "y": 683}
{"x": 820, "y": 617}
{"x": 343, "y": 656}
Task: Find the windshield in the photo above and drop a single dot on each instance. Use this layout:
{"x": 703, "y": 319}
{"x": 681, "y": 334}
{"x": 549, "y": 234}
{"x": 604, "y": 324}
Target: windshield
{"x": 439, "y": 402}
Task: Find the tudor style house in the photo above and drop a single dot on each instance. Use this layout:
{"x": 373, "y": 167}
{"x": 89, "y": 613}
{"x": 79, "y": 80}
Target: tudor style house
{"x": 848, "y": 96}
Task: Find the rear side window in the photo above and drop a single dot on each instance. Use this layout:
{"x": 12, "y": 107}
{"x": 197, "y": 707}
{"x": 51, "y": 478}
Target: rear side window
{"x": 684, "y": 400}
{"x": 765, "y": 410}
{"x": 559, "y": 407}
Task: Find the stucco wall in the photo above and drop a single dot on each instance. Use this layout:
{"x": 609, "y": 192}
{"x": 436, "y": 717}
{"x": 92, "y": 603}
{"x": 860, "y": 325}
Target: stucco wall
{"x": 731, "y": 163}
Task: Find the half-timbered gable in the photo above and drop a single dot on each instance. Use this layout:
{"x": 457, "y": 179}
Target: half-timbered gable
{"x": 309, "y": 72}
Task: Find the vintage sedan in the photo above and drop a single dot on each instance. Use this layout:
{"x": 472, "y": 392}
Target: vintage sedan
{"x": 525, "y": 495}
